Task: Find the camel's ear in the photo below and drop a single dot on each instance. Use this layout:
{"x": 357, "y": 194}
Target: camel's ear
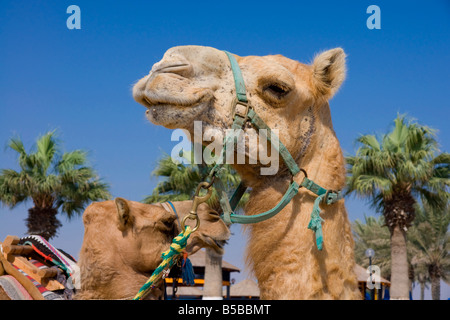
{"x": 125, "y": 219}
{"x": 329, "y": 71}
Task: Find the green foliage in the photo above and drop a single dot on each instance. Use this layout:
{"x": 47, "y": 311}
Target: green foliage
{"x": 51, "y": 179}
{"x": 396, "y": 172}
{"x": 399, "y": 168}
{"x": 373, "y": 233}
{"x": 180, "y": 180}
{"x": 431, "y": 241}
{"x": 428, "y": 244}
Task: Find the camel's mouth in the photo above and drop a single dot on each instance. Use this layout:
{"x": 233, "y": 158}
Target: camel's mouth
{"x": 172, "y": 99}
{"x": 172, "y": 111}
{"x": 154, "y": 100}
{"x": 216, "y": 245}
{"x": 220, "y": 243}
{"x": 171, "y": 115}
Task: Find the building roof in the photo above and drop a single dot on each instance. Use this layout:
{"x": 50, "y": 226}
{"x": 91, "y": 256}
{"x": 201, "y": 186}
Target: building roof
{"x": 249, "y": 288}
{"x": 245, "y": 288}
{"x": 363, "y": 275}
{"x": 198, "y": 260}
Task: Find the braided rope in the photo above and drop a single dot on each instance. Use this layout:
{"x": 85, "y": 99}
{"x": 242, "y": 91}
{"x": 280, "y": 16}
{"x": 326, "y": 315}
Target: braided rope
{"x": 169, "y": 258}
{"x": 315, "y": 224}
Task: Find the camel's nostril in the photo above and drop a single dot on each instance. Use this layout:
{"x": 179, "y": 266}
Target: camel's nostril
{"x": 172, "y": 68}
{"x": 178, "y": 65}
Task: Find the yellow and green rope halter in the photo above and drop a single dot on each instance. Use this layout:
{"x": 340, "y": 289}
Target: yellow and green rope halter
{"x": 170, "y": 257}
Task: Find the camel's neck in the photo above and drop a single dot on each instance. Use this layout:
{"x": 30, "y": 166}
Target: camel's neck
{"x": 282, "y": 252}
{"x": 123, "y": 286}
{"x": 114, "y": 281}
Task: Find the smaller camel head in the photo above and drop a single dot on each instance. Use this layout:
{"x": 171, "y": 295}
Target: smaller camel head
{"x": 138, "y": 233}
{"x": 164, "y": 224}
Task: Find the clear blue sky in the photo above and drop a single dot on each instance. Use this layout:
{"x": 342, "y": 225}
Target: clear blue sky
{"x": 79, "y": 81}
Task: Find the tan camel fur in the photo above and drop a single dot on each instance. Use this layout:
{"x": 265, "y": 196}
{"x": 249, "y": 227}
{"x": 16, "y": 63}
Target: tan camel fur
{"x": 123, "y": 242}
{"x": 3, "y": 295}
{"x": 193, "y": 83}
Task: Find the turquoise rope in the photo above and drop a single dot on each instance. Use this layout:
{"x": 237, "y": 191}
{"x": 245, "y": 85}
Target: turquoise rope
{"x": 315, "y": 224}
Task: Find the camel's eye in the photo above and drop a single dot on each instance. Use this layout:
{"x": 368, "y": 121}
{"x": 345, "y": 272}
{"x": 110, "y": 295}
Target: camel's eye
{"x": 165, "y": 224}
{"x": 277, "y": 90}
{"x": 213, "y": 215}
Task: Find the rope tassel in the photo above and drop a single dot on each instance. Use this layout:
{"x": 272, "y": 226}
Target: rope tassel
{"x": 315, "y": 224}
{"x": 187, "y": 271}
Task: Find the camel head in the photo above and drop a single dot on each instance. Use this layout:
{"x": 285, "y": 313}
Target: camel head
{"x": 124, "y": 240}
{"x": 139, "y": 233}
{"x": 194, "y": 83}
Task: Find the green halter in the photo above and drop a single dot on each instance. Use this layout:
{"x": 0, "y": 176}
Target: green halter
{"x": 243, "y": 112}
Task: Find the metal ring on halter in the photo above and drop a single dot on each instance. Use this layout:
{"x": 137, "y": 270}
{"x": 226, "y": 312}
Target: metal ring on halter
{"x": 196, "y": 202}
{"x": 325, "y": 198}
{"x": 304, "y": 172}
{"x": 192, "y": 217}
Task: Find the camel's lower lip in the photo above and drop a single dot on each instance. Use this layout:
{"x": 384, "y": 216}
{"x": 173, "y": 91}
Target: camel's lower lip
{"x": 220, "y": 244}
{"x": 157, "y": 108}
{"x": 214, "y": 244}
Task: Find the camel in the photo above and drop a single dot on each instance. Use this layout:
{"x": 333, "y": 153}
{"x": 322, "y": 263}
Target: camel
{"x": 124, "y": 240}
{"x": 195, "y": 83}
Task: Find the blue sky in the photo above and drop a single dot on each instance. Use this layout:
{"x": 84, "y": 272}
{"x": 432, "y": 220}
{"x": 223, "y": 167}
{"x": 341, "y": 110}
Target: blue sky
{"x": 79, "y": 81}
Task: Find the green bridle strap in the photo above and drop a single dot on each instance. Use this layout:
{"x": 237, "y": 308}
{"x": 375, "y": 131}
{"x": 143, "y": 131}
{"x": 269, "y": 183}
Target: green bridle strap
{"x": 287, "y": 197}
{"x": 237, "y": 195}
{"x": 228, "y": 207}
{"x": 239, "y": 121}
{"x": 241, "y": 92}
{"x": 282, "y": 150}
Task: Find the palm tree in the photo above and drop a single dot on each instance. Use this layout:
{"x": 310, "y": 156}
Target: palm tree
{"x": 431, "y": 241}
{"x": 421, "y": 276}
{"x": 372, "y": 233}
{"x": 53, "y": 181}
{"x": 393, "y": 173}
{"x": 180, "y": 182}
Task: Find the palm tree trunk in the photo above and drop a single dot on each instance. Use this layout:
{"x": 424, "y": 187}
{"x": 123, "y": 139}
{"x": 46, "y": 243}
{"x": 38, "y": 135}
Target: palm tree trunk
{"x": 212, "y": 289}
{"x": 435, "y": 283}
{"x": 422, "y": 290}
{"x": 399, "y": 268}
{"x": 436, "y": 288}
{"x": 43, "y": 222}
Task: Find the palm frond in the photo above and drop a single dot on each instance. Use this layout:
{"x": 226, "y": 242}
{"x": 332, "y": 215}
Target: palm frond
{"x": 70, "y": 160}
{"x": 51, "y": 179}
{"x": 403, "y": 160}
{"x": 46, "y": 149}
{"x": 179, "y": 181}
